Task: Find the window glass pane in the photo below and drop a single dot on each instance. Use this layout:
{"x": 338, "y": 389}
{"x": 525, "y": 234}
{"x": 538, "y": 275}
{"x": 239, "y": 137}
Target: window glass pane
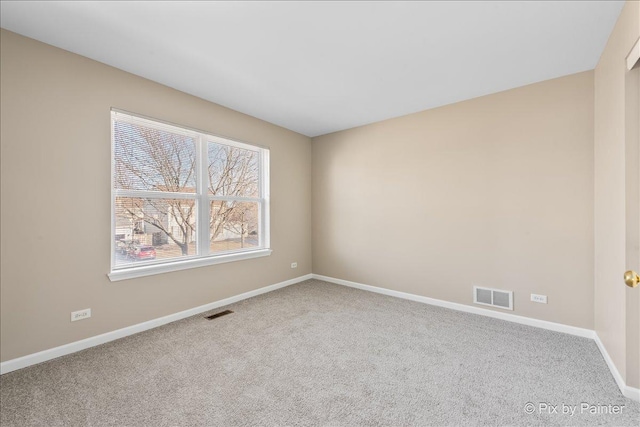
{"x": 234, "y": 225}
{"x": 153, "y": 160}
{"x": 154, "y": 229}
{"x": 233, "y": 171}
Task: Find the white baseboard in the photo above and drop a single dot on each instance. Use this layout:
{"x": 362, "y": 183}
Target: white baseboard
{"x": 43, "y": 356}
{"x": 558, "y": 327}
{"x": 630, "y": 392}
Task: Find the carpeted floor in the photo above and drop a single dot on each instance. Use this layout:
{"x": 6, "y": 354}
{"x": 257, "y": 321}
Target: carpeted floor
{"x": 322, "y": 354}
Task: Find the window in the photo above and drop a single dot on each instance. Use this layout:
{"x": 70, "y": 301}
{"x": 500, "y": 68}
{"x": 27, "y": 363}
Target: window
{"x": 183, "y": 198}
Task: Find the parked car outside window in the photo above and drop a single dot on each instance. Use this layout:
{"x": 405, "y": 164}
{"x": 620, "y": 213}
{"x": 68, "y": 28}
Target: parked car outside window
{"x": 139, "y": 253}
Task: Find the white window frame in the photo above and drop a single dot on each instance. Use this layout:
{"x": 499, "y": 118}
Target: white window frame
{"x": 203, "y": 201}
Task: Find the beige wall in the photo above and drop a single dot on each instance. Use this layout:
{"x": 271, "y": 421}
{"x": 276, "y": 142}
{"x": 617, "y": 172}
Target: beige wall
{"x": 55, "y": 148}
{"x": 496, "y": 191}
{"x": 609, "y": 170}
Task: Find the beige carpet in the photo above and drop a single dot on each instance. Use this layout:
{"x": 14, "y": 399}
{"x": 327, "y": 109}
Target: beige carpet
{"x": 321, "y": 354}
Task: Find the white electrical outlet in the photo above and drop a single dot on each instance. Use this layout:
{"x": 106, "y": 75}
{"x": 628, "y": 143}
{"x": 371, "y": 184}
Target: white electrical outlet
{"x": 539, "y": 298}
{"x": 81, "y": 314}
{"x": 294, "y": 265}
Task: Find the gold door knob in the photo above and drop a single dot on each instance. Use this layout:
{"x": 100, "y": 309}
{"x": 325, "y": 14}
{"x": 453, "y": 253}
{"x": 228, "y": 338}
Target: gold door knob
{"x": 631, "y": 278}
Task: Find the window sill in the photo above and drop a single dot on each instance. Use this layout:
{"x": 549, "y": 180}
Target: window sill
{"x": 149, "y": 270}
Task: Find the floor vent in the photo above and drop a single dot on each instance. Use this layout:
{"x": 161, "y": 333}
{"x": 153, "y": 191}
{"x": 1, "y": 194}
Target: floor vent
{"x": 493, "y": 297}
{"x": 222, "y": 313}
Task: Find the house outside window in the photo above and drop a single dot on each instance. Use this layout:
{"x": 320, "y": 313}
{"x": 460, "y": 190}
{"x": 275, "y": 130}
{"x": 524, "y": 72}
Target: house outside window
{"x": 182, "y": 198}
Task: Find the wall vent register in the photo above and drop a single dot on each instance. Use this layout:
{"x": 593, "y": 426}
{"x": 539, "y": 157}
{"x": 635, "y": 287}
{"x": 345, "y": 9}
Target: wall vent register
{"x": 493, "y": 297}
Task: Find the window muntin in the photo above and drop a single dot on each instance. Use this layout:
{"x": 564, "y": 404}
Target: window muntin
{"x": 187, "y": 194}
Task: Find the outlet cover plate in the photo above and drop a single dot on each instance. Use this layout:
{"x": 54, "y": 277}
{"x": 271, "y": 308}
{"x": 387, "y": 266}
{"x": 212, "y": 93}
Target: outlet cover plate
{"x": 539, "y": 298}
{"x": 80, "y": 314}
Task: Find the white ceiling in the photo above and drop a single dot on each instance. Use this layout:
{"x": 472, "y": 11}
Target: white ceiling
{"x": 320, "y": 67}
